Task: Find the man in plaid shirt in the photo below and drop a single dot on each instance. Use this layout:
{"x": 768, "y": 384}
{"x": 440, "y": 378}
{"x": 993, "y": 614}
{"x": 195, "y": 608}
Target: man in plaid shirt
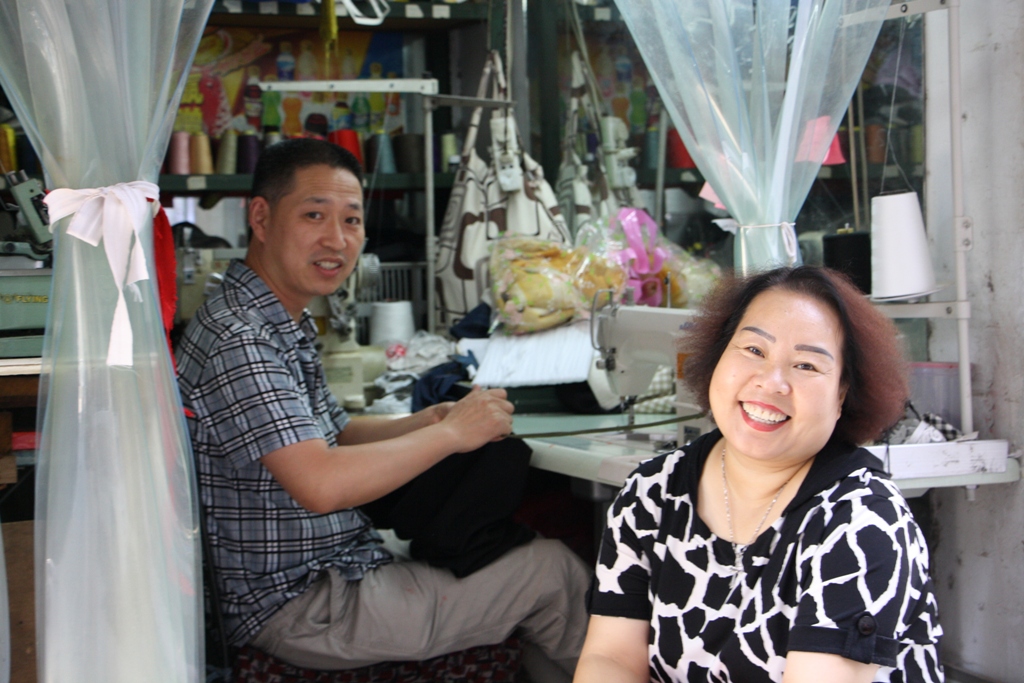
{"x": 282, "y": 468}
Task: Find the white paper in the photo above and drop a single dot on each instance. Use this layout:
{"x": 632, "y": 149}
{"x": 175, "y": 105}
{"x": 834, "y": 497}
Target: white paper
{"x": 557, "y": 356}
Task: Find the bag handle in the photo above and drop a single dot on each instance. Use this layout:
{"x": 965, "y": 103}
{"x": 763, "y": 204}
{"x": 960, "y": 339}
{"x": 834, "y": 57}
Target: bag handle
{"x": 492, "y": 70}
{"x": 380, "y": 10}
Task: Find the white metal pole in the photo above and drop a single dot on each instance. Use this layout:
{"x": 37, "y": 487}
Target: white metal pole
{"x": 428, "y": 170}
{"x": 659, "y": 182}
{"x": 961, "y": 230}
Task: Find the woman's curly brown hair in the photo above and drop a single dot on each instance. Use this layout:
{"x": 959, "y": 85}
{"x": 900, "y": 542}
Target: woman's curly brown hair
{"x": 874, "y": 368}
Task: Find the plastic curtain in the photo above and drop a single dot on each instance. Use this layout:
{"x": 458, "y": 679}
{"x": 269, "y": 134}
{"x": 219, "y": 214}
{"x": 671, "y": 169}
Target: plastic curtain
{"x": 757, "y": 89}
{"x": 96, "y": 85}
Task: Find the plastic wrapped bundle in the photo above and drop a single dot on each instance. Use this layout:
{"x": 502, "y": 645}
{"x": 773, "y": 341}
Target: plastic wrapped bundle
{"x": 537, "y": 284}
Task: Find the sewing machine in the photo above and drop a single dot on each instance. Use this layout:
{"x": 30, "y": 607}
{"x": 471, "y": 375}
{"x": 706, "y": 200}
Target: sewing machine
{"x": 350, "y": 367}
{"x": 633, "y": 342}
{"x": 25, "y": 276}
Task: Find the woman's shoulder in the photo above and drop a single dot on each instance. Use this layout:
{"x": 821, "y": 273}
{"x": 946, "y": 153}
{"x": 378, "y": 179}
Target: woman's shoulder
{"x": 687, "y": 459}
{"x": 864, "y": 497}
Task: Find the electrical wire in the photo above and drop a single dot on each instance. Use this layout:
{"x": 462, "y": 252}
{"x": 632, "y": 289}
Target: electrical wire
{"x": 601, "y": 430}
{"x": 892, "y": 114}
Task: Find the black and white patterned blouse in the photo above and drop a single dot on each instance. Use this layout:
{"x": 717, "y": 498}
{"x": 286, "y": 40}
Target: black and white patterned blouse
{"x": 843, "y": 571}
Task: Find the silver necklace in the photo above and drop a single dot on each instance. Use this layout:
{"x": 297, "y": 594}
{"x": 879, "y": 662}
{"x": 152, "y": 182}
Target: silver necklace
{"x": 739, "y": 548}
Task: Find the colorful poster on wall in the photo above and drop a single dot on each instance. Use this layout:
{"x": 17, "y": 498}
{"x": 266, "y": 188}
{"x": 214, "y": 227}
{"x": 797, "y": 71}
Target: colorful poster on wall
{"x": 622, "y": 78}
{"x": 222, "y": 90}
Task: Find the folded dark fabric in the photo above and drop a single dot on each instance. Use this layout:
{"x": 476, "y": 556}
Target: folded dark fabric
{"x": 440, "y": 384}
{"x": 458, "y": 514}
{"x": 474, "y": 325}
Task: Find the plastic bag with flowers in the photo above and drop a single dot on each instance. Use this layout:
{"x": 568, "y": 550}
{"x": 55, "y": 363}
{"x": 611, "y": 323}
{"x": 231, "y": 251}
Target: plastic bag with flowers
{"x": 656, "y": 268}
{"x": 538, "y": 284}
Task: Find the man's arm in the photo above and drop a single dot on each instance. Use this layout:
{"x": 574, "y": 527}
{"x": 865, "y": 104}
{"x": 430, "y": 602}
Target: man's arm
{"x": 323, "y": 479}
{"x": 371, "y": 428}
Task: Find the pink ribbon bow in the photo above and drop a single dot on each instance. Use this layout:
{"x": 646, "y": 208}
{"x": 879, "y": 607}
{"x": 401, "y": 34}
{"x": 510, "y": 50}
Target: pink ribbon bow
{"x": 642, "y": 258}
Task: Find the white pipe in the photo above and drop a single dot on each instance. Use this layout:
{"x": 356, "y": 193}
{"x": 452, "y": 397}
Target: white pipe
{"x": 428, "y": 172}
{"x": 960, "y": 249}
{"x": 659, "y": 182}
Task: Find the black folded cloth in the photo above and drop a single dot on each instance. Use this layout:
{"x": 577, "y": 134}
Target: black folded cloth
{"x": 458, "y": 514}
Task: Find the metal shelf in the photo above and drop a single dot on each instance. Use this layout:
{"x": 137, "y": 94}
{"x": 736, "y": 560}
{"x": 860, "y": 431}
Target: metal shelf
{"x": 242, "y": 183}
{"x": 400, "y": 12}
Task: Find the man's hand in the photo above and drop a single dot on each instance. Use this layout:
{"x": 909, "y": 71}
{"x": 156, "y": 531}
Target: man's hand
{"x": 374, "y": 456}
{"x": 481, "y": 416}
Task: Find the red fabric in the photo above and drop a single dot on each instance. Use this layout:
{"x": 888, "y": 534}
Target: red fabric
{"x": 678, "y": 155}
{"x": 24, "y": 441}
{"x": 166, "y": 272}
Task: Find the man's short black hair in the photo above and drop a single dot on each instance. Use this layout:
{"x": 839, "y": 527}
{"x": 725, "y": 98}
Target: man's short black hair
{"x": 274, "y": 176}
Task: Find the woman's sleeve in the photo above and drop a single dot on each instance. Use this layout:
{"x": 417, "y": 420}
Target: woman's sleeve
{"x": 863, "y": 577}
{"x": 621, "y": 585}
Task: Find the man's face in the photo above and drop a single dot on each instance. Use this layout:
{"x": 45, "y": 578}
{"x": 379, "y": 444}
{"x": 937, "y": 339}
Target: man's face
{"x": 312, "y": 237}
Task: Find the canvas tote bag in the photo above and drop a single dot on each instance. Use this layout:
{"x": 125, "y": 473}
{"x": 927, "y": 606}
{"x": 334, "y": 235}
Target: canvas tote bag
{"x": 585, "y": 195}
{"x": 484, "y": 206}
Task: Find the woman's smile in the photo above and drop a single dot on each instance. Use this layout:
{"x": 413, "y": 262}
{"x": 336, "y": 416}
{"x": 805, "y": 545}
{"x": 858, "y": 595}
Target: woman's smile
{"x": 775, "y": 392}
{"x": 761, "y": 416}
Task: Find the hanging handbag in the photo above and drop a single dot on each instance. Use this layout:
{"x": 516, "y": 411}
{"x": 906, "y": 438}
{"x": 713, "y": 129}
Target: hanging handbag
{"x": 590, "y": 192}
{"x": 508, "y": 195}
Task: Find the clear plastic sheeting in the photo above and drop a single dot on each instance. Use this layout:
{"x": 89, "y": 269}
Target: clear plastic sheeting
{"x": 96, "y": 85}
{"x": 757, "y": 89}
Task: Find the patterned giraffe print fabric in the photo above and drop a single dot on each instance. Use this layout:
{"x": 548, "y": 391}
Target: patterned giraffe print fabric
{"x": 843, "y": 571}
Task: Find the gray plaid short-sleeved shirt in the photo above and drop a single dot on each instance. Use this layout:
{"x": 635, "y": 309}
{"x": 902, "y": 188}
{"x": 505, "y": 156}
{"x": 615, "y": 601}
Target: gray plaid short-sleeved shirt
{"x": 251, "y": 382}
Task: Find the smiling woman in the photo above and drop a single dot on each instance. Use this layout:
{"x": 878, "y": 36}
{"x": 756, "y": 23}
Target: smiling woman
{"x": 773, "y": 548}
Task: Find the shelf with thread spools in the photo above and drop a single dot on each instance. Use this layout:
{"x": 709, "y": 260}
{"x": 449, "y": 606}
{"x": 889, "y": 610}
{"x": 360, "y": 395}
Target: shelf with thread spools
{"x": 401, "y": 16}
{"x": 241, "y": 183}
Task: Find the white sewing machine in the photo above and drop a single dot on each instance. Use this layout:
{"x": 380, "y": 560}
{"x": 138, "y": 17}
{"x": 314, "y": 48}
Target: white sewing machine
{"x": 633, "y": 341}
{"x": 350, "y": 368}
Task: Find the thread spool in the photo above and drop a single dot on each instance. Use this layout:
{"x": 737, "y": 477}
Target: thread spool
{"x": 651, "y": 148}
{"x": 271, "y": 137}
{"x": 380, "y": 156}
{"x": 916, "y": 144}
{"x": 27, "y": 157}
{"x": 850, "y": 253}
{"x": 200, "y": 156}
{"x": 901, "y": 264}
{"x": 409, "y": 153}
{"x": 349, "y": 139}
{"x": 180, "y": 163}
{"x": 248, "y": 153}
{"x": 874, "y": 138}
{"x": 678, "y": 155}
{"x": 391, "y": 321}
{"x": 227, "y": 153}
{"x": 449, "y": 149}
{"x": 8, "y": 155}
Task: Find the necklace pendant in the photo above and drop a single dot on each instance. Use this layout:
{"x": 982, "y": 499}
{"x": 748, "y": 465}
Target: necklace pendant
{"x": 737, "y": 566}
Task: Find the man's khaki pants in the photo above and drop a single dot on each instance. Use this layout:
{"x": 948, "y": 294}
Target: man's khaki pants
{"x": 411, "y": 611}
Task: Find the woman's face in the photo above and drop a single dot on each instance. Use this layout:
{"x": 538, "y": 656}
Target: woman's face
{"x": 776, "y": 392}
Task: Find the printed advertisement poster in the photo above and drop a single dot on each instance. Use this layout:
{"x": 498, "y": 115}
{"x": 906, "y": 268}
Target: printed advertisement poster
{"x": 222, "y": 90}
{"x": 621, "y": 75}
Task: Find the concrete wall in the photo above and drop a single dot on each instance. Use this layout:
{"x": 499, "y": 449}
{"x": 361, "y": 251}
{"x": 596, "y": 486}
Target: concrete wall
{"x": 979, "y": 559}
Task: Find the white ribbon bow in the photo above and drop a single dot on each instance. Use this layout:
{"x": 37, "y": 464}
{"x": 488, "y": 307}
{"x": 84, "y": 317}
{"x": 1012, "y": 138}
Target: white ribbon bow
{"x": 114, "y": 214}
